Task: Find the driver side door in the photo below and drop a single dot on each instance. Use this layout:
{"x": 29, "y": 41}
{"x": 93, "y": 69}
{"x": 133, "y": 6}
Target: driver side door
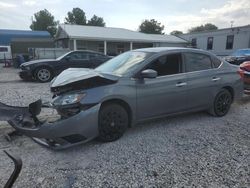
{"x": 164, "y": 94}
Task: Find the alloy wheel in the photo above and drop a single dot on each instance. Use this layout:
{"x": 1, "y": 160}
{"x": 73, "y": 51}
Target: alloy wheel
{"x": 43, "y": 75}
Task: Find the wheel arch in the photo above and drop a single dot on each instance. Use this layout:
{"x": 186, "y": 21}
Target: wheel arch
{"x": 124, "y": 104}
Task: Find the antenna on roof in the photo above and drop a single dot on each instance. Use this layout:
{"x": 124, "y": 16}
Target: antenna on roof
{"x": 232, "y": 23}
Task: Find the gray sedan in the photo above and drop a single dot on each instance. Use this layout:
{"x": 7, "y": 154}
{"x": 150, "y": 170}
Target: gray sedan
{"x": 133, "y": 87}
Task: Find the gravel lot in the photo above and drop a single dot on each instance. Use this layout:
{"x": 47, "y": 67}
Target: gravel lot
{"x": 193, "y": 150}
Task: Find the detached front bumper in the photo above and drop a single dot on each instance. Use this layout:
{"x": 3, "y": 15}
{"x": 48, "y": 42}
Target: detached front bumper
{"x": 60, "y": 134}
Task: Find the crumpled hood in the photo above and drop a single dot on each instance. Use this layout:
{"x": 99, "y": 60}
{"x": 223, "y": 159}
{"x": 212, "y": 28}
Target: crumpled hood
{"x": 73, "y": 75}
{"x": 38, "y": 61}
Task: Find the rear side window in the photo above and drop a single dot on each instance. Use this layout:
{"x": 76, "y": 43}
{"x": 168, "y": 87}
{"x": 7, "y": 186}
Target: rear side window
{"x": 3, "y": 49}
{"x": 196, "y": 62}
{"x": 167, "y": 64}
{"x": 216, "y": 62}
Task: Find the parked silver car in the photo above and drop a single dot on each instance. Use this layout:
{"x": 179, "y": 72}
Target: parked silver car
{"x": 135, "y": 86}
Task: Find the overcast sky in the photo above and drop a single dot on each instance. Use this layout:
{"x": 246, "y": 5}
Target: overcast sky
{"x": 174, "y": 14}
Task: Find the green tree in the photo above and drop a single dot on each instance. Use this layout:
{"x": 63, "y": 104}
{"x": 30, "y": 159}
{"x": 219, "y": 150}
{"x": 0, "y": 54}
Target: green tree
{"x": 206, "y": 27}
{"x": 176, "y": 32}
{"x": 44, "y": 21}
{"x": 96, "y": 21}
{"x": 151, "y": 27}
{"x": 76, "y": 16}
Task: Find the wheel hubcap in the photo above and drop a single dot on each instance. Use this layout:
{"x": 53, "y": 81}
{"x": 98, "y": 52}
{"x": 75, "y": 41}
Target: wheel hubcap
{"x": 112, "y": 123}
{"x": 223, "y": 103}
{"x": 43, "y": 74}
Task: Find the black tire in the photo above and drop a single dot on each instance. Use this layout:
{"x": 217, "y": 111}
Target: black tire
{"x": 43, "y": 74}
{"x": 113, "y": 121}
{"x": 222, "y": 103}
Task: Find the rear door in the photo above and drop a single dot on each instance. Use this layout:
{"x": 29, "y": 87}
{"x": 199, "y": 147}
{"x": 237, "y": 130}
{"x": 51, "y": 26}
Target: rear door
{"x": 202, "y": 79}
{"x": 164, "y": 94}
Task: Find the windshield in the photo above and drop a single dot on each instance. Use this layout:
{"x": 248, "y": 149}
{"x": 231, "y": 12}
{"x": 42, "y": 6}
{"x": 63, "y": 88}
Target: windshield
{"x": 241, "y": 53}
{"x": 124, "y": 63}
{"x": 62, "y": 56}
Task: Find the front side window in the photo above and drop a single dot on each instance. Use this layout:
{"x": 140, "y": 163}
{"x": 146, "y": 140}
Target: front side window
{"x": 196, "y": 62}
{"x": 230, "y": 42}
{"x": 210, "y": 41}
{"x": 167, "y": 64}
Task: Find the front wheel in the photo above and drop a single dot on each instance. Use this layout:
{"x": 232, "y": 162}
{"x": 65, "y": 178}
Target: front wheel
{"x": 222, "y": 103}
{"x": 113, "y": 122}
{"x": 43, "y": 74}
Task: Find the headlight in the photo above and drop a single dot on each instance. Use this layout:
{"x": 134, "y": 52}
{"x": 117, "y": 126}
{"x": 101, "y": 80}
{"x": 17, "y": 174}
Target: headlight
{"x": 69, "y": 99}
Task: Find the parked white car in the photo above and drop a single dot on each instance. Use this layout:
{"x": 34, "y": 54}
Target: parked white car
{"x": 5, "y": 52}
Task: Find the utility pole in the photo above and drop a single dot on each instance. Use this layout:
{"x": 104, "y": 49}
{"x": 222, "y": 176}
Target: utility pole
{"x": 32, "y": 23}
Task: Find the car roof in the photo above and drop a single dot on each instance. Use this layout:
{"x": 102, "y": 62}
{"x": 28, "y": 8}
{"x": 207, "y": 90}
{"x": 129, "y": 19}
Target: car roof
{"x": 89, "y": 51}
{"x": 163, "y": 49}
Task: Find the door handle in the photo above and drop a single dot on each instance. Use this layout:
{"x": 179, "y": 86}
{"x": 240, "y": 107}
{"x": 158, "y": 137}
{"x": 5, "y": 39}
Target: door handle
{"x": 180, "y": 84}
{"x": 215, "y": 79}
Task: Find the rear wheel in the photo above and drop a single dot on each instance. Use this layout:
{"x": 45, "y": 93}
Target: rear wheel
{"x": 43, "y": 74}
{"x": 113, "y": 122}
{"x": 222, "y": 103}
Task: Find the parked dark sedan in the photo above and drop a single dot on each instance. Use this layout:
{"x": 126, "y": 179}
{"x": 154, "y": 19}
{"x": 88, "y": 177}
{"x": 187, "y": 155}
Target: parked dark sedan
{"x": 44, "y": 70}
{"x": 239, "y": 56}
{"x": 133, "y": 87}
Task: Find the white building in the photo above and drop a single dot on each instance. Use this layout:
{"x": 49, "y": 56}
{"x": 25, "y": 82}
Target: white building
{"x": 111, "y": 41}
{"x": 222, "y": 41}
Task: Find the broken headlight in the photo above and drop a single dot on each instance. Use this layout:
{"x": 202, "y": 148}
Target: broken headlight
{"x": 68, "y": 99}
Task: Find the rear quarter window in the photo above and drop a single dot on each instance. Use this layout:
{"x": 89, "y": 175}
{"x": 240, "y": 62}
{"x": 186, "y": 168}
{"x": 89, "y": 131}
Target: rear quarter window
{"x": 216, "y": 62}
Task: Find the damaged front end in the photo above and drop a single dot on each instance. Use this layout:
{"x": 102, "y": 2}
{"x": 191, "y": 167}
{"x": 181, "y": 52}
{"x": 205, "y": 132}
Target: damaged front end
{"x": 76, "y": 119}
{"x": 72, "y": 125}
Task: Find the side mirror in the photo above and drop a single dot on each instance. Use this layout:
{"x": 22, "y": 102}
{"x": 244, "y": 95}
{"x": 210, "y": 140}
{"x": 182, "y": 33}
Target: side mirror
{"x": 148, "y": 73}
